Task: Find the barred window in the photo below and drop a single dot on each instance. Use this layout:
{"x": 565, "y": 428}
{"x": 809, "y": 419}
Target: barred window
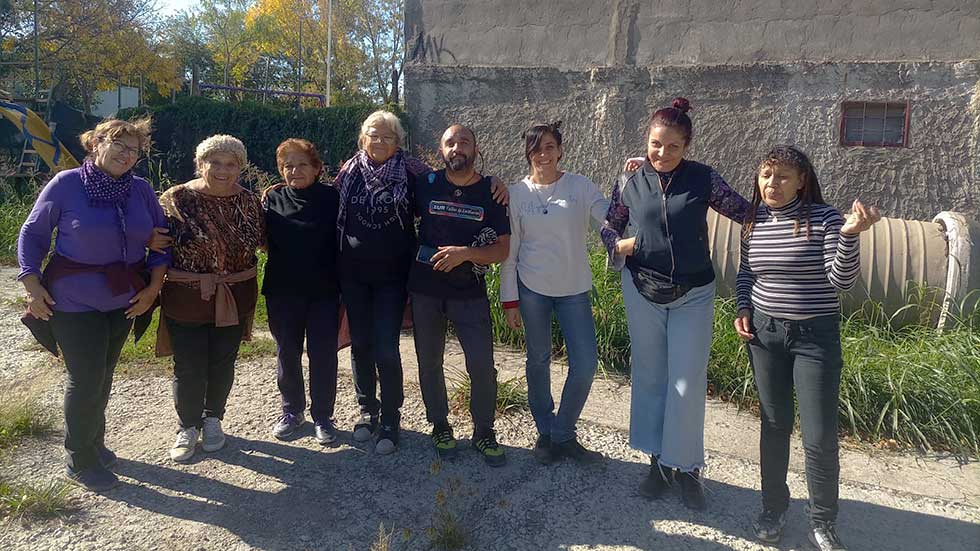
{"x": 875, "y": 124}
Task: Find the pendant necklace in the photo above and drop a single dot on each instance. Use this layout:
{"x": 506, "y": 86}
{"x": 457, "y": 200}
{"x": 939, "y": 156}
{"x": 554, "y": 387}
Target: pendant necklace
{"x": 544, "y": 204}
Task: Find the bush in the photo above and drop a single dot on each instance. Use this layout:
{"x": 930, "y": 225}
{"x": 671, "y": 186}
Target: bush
{"x": 179, "y": 127}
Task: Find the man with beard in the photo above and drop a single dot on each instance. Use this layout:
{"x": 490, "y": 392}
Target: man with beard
{"x": 462, "y": 231}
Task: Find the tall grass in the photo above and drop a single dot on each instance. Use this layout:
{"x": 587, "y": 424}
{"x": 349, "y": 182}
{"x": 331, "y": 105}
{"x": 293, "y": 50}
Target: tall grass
{"x": 35, "y": 502}
{"x": 12, "y": 216}
{"x": 916, "y": 385}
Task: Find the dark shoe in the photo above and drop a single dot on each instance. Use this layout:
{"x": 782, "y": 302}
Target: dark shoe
{"x": 365, "y": 427}
{"x": 96, "y": 479}
{"x": 543, "y": 451}
{"x": 692, "y": 489}
{"x": 769, "y": 526}
{"x": 287, "y": 425}
{"x": 443, "y": 439}
{"x": 325, "y": 432}
{"x": 387, "y": 440}
{"x": 106, "y": 457}
{"x": 823, "y": 536}
{"x": 657, "y": 480}
{"x": 575, "y": 451}
{"x": 486, "y": 444}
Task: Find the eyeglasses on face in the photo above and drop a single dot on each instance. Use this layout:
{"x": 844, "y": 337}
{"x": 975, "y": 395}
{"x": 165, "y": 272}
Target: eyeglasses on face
{"x": 377, "y": 138}
{"x": 117, "y": 146}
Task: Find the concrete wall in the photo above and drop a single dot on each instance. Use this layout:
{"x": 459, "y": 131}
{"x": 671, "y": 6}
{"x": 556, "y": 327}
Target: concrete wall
{"x": 485, "y": 64}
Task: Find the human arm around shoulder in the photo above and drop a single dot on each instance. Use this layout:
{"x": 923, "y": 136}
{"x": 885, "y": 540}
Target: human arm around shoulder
{"x": 613, "y": 228}
{"x": 509, "y": 297}
{"x": 598, "y": 205}
{"x": 725, "y": 200}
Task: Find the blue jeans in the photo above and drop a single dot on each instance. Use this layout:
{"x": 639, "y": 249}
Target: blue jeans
{"x": 669, "y": 349}
{"x": 578, "y": 328}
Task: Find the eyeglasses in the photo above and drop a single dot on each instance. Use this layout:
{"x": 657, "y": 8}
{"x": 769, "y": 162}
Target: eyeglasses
{"x": 117, "y": 146}
{"x": 387, "y": 140}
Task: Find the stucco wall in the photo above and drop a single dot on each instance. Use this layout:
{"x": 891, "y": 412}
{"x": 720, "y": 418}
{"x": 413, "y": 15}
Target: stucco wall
{"x": 498, "y": 85}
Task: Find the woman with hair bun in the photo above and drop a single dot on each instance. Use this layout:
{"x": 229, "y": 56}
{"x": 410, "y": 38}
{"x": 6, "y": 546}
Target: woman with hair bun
{"x": 656, "y": 226}
{"x": 548, "y": 273}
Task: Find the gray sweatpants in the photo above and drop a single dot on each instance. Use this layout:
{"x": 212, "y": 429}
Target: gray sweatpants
{"x": 471, "y": 322}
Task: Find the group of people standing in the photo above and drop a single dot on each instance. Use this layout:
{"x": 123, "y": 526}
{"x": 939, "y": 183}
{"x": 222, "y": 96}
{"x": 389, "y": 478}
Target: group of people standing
{"x": 352, "y": 244}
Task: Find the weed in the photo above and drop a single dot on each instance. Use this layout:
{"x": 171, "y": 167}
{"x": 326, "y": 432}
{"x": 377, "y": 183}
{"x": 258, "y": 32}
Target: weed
{"x": 35, "y": 502}
{"x": 383, "y": 540}
{"x": 22, "y": 418}
{"x": 511, "y": 394}
{"x": 447, "y": 531}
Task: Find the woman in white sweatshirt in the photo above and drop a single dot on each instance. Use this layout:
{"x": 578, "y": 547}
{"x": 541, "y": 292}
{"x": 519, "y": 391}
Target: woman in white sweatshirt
{"x": 548, "y": 273}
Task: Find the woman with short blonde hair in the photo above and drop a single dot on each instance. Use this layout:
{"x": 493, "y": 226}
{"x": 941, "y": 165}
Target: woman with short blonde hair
{"x": 95, "y": 282}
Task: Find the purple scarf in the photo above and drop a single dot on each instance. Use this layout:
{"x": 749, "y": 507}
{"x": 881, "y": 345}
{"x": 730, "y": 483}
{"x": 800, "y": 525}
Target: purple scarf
{"x": 105, "y": 191}
{"x": 377, "y": 178}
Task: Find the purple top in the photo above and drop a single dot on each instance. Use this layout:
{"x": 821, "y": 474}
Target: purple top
{"x": 89, "y": 235}
{"x": 723, "y": 199}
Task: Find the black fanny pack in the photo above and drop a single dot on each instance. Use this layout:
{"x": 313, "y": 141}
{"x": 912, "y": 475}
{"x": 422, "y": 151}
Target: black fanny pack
{"x": 656, "y": 287}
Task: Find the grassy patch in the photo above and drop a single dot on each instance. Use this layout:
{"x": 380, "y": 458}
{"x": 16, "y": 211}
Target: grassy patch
{"x": 12, "y": 216}
{"x": 35, "y": 502}
{"x": 447, "y": 531}
{"x": 22, "y": 418}
{"x": 511, "y": 394}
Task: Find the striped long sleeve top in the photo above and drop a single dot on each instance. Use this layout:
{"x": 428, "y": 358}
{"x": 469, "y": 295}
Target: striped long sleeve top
{"x": 786, "y": 275}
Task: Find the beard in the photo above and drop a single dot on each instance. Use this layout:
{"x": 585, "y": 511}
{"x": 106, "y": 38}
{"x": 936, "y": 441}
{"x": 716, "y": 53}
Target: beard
{"x": 458, "y": 163}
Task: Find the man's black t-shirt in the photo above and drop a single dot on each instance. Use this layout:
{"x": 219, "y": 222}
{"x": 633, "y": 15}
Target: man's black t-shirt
{"x": 454, "y": 215}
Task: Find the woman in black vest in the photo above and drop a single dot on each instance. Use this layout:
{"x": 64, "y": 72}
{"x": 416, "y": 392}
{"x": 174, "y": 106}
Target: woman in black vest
{"x": 657, "y": 227}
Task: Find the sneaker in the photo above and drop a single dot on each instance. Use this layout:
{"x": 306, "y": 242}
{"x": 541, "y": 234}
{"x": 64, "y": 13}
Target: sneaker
{"x": 574, "y": 450}
{"x": 387, "y": 440}
{"x": 365, "y": 427}
{"x": 487, "y": 445}
{"x": 96, "y": 479}
{"x": 213, "y": 438}
{"x": 823, "y": 536}
{"x": 287, "y": 425}
{"x": 543, "y": 451}
{"x": 106, "y": 457}
{"x": 692, "y": 489}
{"x": 657, "y": 480}
{"x": 184, "y": 446}
{"x": 769, "y": 526}
{"x": 443, "y": 439}
{"x": 325, "y": 432}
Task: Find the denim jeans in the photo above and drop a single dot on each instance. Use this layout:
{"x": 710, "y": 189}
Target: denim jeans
{"x": 578, "y": 329}
{"x": 91, "y": 343}
{"x": 805, "y": 354}
{"x": 669, "y": 348}
{"x": 204, "y": 368}
{"x": 293, "y": 320}
{"x": 375, "y": 310}
{"x": 471, "y": 322}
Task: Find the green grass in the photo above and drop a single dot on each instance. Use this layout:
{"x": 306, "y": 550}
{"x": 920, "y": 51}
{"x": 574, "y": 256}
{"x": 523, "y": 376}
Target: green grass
{"x": 35, "y": 502}
{"x": 511, "y": 394}
{"x": 914, "y": 385}
{"x": 22, "y": 418}
{"x": 12, "y": 216}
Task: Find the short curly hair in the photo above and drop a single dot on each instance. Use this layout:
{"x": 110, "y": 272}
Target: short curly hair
{"x": 219, "y": 143}
{"x": 114, "y": 128}
{"x": 300, "y": 146}
{"x": 384, "y": 119}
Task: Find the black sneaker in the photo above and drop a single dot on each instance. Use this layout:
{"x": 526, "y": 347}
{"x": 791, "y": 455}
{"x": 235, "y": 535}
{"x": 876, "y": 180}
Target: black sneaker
{"x": 543, "y": 451}
{"x": 769, "y": 526}
{"x": 387, "y": 440}
{"x": 443, "y": 439}
{"x": 106, "y": 457}
{"x": 692, "y": 489}
{"x": 657, "y": 480}
{"x": 96, "y": 479}
{"x": 365, "y": 427}
{"x": 574, "y": 450}
{"x": 487, "y": 445}
{"x": 823, "y": 536}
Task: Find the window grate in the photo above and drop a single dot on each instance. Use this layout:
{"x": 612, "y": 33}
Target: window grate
{"x": 874, "y": 124}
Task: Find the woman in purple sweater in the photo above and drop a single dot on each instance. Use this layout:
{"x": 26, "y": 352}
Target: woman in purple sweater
{"x": 93, "y": 285}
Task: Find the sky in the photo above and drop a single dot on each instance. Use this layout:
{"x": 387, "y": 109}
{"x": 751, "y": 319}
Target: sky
{"x": 168, "y": 7}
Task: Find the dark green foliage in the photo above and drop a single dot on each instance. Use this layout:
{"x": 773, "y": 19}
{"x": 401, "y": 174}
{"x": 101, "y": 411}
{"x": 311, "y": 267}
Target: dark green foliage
{"x": 179, "y": 127}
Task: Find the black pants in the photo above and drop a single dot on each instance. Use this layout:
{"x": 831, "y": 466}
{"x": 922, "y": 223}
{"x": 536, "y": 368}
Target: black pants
{"x": 374, "y": 313}
{"x": 805, "y": 354}
{"x": 204, "y": 369}
{"x": 91, "y": 343}
{"x": 471, "y": 321}
{"x": 293, "y": 320}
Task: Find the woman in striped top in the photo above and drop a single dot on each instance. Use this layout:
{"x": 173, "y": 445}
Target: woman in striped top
{"x": 797, "y": 252}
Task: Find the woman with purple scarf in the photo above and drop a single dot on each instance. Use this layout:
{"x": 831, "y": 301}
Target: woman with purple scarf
{"x": 94, "y": 283}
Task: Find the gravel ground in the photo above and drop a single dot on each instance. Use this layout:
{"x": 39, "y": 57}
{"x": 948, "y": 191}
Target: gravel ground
{"x": 259, "y": 493}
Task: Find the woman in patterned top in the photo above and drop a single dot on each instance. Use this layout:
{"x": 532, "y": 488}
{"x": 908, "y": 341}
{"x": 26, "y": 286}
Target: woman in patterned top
{"x": 208, "y": 301}
{"x": 797, "y": 252}
{"x": 656, "y": 226}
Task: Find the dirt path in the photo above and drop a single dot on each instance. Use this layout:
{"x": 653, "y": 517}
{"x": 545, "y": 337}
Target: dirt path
{"x": 259, "y": 493}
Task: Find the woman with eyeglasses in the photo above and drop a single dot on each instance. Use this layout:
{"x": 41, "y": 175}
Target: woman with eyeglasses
{"x": 95, "y": 283}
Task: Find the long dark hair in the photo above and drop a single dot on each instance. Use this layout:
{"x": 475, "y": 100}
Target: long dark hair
{"x": 790, "y": 157}
{"x": 532, "y": 137}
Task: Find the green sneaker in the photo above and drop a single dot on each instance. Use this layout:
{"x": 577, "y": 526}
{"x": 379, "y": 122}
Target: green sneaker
{"x": 487, "y": 445}
{"x": 443, "y": 439}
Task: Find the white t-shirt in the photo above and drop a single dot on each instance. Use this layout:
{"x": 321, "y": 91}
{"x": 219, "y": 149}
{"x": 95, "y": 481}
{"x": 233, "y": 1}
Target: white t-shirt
{"x": 548, "y": 225}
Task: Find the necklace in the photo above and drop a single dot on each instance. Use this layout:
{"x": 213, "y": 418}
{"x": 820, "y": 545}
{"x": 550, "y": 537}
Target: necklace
{"x": 544, "y": 204}
{"x": 459, "y": 189}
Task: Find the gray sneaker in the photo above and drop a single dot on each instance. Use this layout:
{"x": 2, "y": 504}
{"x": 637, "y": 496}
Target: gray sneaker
{"x": 325, "y": 432}
{"x": 769, "y": 526}
{"x": 823, "y": 536}
{"x": 287, "y": 425}
{"x": 185, "y": 444}
{"x": 365, "y": 427}
{"x": 213, "y": 438}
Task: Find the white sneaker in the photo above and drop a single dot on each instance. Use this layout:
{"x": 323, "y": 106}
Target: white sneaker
{"x": 213, "y": 438}
{"x": 184, "y": 446}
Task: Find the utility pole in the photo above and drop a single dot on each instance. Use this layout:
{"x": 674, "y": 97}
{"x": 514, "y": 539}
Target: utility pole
{"x": 37, "y": 57}
{"x": 329, "y": 44}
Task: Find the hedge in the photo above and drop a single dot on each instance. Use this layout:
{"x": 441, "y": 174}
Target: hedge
{"x": 180, "y": 126}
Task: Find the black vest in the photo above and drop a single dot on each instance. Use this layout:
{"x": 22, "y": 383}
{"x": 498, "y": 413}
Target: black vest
{"x": 670, "y": 225}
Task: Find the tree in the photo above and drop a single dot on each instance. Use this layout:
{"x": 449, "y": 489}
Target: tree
{"x": 231, "y": 41}
{"x": 378, "y": 30}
